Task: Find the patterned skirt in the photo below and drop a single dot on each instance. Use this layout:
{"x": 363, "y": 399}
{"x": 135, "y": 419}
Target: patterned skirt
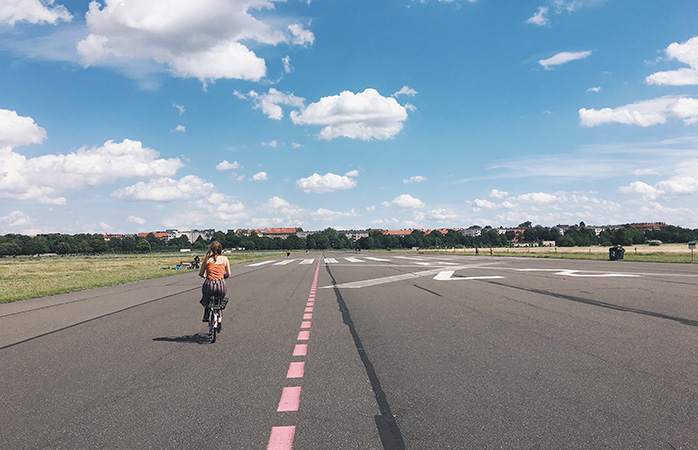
{"x": 216, "y": 288}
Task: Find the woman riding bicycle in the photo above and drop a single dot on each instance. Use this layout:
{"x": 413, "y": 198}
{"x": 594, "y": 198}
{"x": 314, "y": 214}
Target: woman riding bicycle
{"x": 214, "y": 268}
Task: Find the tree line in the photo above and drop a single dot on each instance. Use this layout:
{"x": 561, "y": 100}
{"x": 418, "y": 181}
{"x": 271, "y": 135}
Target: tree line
{"x": 576, "y": 235}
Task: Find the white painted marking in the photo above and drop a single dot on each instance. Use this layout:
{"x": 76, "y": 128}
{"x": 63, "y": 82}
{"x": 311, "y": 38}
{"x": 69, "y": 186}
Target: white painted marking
{"x": 392, "y": 279}
{"x": 283, "y": 263}
{"x": 576, "y": 273}
{"x": 377, "y": 259}
{"x": 261, "y": 263}
{"x": 354, "y": 260}
{"x": 331, "y": 261}
{"x": 447, "y": 275}
{"x": 307, "y": 261}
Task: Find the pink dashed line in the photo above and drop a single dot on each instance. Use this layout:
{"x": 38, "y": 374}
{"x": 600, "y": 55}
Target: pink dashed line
{"x": 281, "y": 438}
{"x": 296, "y": 370}
{"x": 290, "y": 399}
{"x": 300, "y": 350}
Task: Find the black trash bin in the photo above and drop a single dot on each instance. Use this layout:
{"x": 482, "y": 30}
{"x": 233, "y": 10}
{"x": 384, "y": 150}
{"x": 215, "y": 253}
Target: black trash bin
{"x": 616, "y": 253}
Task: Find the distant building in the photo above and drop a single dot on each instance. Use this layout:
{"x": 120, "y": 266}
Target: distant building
{"x": 282, "y": 233}
{"x": 158, "y": 234}
{"x": 398, "y": 233}
{"x": 471, "y": 232}
{"x": 654, "y": 226}
{"x": 354, "y": 235}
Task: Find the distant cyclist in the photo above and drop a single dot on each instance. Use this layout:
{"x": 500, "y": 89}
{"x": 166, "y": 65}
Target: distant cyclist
{"x": 214, "y": 268}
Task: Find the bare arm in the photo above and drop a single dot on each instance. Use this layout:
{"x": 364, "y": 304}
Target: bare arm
{"x": 202, "y": 271}
{"x": 227, "y": 267}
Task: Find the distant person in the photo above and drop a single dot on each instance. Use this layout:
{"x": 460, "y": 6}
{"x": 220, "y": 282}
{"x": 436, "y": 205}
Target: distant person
{"x": 215, "y": 269}
{"x": 197, "y": 262}
{"x": 477, "y": 251}
{"x": 491, "y": 252}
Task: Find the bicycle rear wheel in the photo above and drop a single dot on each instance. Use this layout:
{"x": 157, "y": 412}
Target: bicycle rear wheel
{"x": 211, "y": 329}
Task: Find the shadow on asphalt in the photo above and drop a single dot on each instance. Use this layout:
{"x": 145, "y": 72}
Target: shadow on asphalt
{"x": 200, "y": 338}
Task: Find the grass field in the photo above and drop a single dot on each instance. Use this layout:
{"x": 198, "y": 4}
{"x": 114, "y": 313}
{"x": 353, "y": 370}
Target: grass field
{"x": 24, "y": 278}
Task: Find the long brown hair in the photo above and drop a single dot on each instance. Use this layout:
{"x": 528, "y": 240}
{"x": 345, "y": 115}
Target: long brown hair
{"x": 214, "y": 250}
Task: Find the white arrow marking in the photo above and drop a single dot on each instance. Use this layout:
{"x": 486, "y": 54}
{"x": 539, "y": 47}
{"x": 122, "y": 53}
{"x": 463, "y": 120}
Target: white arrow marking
{"x": 575, "y": 273}
{"x": 447, "y": 275}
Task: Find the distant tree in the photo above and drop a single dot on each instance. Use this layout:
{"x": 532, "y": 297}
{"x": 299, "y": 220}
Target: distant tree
{"x": 199, "y": 243}
{"x": 36, "y": 246}
{"x": 128, "y": 244}
{"x": 142, "y": 245}
{"x": 63, "y": 248}
{"x": 526, "y": 224}
{"x": 10, "y": 249}
{"x": 220, "y": 237}
{"x": 98, "y": 244}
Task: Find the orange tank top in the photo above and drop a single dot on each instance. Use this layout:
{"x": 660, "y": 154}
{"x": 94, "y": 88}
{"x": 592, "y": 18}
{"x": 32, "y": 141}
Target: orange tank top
{"x": 215, "y": 271}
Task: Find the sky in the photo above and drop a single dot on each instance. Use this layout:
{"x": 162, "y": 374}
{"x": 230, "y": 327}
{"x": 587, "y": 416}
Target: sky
{"x": 146, "y": 115}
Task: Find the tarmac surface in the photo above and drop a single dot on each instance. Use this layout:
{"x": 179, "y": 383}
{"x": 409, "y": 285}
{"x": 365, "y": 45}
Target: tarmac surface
{"x": 363, "y": 351}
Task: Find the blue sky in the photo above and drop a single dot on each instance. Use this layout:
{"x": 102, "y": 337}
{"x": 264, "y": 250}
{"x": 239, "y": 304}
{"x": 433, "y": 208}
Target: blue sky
{"x": 149, "y": 114}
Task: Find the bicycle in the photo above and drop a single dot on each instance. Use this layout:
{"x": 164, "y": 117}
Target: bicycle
{"x": 215, "y": 306}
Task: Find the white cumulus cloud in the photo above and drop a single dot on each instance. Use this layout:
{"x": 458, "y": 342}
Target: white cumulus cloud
{"x": 686, "y": 53}
{"x": 41, "y": 178}
{"x": 407, "y": 201}
{"x": 329, "y": 182}
{"x": 225, "y": 165}
{"x": 563, "y": 58}
{"x": 165, "y": 189}
{"x": 259, "y": 176}
{"x": 405, "y": 90}
{"x": 301, "y": 36}
{"x": 415, "y": 179}
{"x": 644, "y": 113}
{"x": 539, "y": 17}
{"x": 32, "y": 11}
{"x": 679, "y": 185}
{"x": 496, "y": 193}
{"x": 16, "y": 130}
{"x": 135, "y": 219}
{"x": 212, "y": 209}
{"x": 205, "y": 39}
{"x": 366, "y": 115}
{"x": 270, "y": 103}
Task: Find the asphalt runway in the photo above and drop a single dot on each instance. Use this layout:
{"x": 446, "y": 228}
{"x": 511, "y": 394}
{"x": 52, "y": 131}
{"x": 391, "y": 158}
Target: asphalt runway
{"x": 363, "y": 351}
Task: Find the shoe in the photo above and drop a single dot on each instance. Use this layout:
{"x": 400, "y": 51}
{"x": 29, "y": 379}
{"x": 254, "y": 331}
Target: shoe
{"x": 220, "y": 327}
{"x": 205, "y": 319}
